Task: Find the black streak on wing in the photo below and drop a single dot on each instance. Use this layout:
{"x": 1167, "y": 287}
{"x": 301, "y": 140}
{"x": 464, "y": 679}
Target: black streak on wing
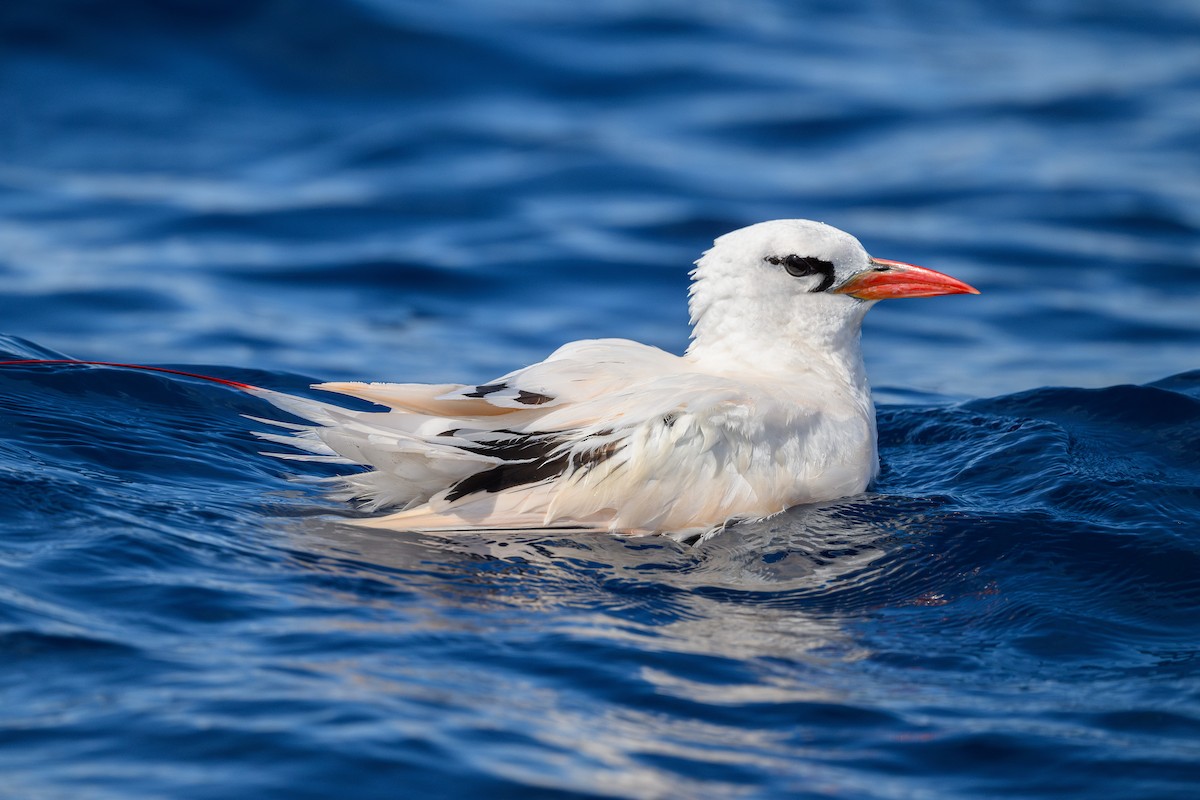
{"x": 532, "y": 398}
{"x": 506, "y": 476}
{"x": 533, "y": 460}
{"x": 528, "y": 398}
{"x": 518, "y": 447}
{"x": 536, "y": 458}
{"x": 486, "y": 389}
{"x": 597, "y": 455}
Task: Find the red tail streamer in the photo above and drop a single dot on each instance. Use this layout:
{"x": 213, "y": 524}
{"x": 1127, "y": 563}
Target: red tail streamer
{"x": 223, "y": 381}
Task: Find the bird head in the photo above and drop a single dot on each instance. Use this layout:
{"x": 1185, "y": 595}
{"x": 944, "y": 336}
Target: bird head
{"x": 796, "y": 281}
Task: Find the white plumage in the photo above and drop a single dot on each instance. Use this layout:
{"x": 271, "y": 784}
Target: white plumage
{"x": 769, "y": 408}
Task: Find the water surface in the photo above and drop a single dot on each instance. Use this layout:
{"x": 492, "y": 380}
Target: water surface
{"x": 286, "y": 192}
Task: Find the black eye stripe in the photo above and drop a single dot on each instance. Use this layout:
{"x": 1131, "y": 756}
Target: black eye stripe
{"x": 801, "y": 266}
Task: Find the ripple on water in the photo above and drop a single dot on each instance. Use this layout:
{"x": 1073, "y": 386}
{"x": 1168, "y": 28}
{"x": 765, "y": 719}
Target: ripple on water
{"x": 434, "y": 192}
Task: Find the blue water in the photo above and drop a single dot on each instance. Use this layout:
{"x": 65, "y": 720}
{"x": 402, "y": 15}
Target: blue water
{"x": 291, "y": 191}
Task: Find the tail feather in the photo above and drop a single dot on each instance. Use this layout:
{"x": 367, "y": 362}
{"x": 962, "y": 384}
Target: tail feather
{"x": 302, "y": 440}
{"x": 415, "y": 452}
{"x": 302, "y": 407}
{"x": 291, "y": 426}
{"x": 436, "y": 400}
{"x": 307, "y": 457}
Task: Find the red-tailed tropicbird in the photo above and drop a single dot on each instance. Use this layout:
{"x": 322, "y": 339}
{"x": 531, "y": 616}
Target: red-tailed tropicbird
{"x": 768, "y": 408}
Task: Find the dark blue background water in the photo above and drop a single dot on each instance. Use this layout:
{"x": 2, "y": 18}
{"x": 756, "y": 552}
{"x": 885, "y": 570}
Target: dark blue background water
{"x": 295, "y": 190}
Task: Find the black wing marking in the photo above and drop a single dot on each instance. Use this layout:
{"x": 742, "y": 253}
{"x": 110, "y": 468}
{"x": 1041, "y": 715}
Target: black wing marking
{"x": 486, "y": 389}
{"x": 532, "y": 398}
{"x": 532, "y": 459}
{"x": 506, "y": 476}
{"x": 524, "y": 397}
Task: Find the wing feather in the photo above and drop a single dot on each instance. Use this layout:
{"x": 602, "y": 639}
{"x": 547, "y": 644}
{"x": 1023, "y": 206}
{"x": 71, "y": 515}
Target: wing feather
{"x": 602, "y": 434}
{"x": 434, "y": 400}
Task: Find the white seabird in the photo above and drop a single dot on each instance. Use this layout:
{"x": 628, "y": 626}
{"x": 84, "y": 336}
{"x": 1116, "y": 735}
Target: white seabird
{"x": 769, "y": 408}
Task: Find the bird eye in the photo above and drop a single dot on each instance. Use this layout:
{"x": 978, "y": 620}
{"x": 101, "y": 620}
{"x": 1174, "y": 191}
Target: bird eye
{"x": 802, "y": 266}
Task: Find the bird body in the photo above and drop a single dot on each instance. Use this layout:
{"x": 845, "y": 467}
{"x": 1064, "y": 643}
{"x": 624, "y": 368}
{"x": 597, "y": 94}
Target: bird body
{"x": 769, "y": 408}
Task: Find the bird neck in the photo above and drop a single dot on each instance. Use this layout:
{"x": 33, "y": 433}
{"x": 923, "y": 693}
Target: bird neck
{"x": 773, "y": 339}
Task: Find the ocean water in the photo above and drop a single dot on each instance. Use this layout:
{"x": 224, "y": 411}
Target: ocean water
{"x": 289, "y": 191}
